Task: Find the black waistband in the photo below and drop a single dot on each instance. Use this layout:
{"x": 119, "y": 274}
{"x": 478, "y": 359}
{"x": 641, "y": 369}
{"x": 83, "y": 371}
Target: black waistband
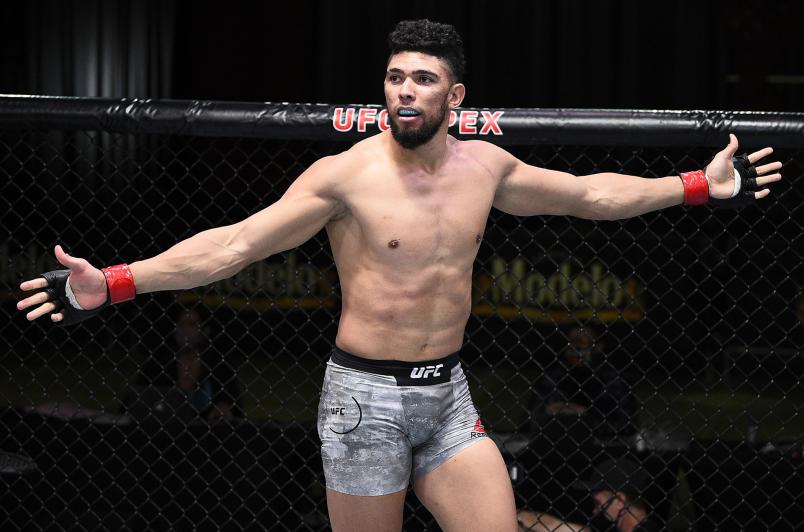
{"x": 406, "y": 373}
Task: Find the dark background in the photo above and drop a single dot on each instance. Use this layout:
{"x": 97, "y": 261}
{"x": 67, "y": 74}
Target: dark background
{"x": 678, "y": 54}
{"x": 557, "y": 53}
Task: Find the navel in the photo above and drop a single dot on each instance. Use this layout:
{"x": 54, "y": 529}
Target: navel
{"x": 477, "y": 239}
{"x": 393, "y": 244}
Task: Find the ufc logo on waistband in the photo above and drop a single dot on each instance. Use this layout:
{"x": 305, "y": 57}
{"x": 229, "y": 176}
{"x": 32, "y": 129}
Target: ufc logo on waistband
{"x": 426, "y": 371}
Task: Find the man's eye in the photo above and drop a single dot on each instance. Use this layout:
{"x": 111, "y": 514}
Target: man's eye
{"x": 425, "y": 79}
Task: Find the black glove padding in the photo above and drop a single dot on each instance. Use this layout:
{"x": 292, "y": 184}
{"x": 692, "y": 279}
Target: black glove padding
{"x": 748, "y": 185}
{"x": 56, "y": 283}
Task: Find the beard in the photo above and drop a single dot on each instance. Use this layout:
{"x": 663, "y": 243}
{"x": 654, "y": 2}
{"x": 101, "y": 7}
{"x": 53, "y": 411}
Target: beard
{"x": 413, "y": 138}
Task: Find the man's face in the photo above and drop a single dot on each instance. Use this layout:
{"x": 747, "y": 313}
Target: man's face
{"x": 419, "y": 95}
{"x": 607, "y": 503}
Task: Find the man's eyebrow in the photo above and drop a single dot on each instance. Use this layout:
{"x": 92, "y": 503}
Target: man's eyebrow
{"x": 419, "y": 72}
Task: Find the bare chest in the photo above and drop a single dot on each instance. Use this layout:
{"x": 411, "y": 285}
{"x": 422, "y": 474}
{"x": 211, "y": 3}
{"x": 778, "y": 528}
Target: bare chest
{"x": 416, "y": 222}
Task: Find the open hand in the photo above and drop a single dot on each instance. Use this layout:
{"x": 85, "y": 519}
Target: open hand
{"x": 721, "y": 171}
{"x": 87, "y": 282}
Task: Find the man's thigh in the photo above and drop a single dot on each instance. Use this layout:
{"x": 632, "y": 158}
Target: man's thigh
{"x": 470, "y": 491}
{"x": 353, "y": 513}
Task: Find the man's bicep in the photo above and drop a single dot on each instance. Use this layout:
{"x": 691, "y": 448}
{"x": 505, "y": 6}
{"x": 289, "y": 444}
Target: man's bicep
{"x": 286, "y": 224}
{"x": 529, "y": 190}
{"x": 303, "y": 211}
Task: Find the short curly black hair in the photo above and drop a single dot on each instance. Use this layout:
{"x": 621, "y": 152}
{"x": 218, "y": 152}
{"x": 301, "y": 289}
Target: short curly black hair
{"x": 432, "y": 38}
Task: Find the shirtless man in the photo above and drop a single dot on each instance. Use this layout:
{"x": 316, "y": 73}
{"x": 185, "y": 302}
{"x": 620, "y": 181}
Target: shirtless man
{"x": 405, "y": 211}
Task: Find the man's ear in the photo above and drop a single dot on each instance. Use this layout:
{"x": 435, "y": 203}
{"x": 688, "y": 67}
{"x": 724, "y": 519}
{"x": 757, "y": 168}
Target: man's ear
{"x": 456, "y": 95}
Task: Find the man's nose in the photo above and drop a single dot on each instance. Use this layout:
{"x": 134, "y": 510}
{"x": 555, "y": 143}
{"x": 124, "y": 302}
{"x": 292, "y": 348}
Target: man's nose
{"x": 406, "y": 91}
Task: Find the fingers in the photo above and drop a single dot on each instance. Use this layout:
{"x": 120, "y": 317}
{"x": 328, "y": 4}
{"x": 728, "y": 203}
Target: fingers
{"x": 761, "y": 154}
{"x": 57, "y": 317}
{"x": 34, "y": 284}
{"x": 765, "y": 168}
{"x": 768, "y": 179}
{"x": 41, "y": 311}
{"x": 763, "y": 181}
{"x": 764, "y": 171}
{"x": 36, "y": 299}
{"x": 67, "y": 260}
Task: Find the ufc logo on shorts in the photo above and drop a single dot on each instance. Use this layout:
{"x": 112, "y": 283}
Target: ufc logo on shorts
{"x": 426, "y": 371}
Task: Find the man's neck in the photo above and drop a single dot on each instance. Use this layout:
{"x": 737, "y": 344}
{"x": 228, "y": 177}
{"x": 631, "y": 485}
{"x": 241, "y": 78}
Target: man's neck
{"x": 428, "y": 157}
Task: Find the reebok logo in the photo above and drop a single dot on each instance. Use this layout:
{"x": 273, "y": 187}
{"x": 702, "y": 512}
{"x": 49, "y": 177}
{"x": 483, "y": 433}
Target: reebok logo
{"x": 426, "y": 371}
{"x": 478, "y": 431}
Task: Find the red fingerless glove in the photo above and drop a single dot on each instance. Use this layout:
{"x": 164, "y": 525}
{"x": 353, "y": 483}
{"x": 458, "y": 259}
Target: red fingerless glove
{"x": 696, "y": 187}
{"x": 120, "y": 282}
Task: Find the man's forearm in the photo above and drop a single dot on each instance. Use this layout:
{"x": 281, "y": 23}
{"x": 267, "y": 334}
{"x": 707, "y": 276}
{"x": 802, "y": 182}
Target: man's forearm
{"x": 618, "y": 196}
{"x": 207, "y": 257}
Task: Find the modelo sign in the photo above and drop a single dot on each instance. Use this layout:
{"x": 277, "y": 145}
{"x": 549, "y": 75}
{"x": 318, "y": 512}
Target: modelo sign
{"x": 519, "y": 289}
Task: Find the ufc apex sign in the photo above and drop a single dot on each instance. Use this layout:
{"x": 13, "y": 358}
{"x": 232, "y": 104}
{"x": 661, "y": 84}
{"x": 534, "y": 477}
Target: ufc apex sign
{"x": 469, "y": 122}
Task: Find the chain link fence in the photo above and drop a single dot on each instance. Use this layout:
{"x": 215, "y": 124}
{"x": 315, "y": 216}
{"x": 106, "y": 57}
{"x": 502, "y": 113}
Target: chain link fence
{"x": 670, "y": 342}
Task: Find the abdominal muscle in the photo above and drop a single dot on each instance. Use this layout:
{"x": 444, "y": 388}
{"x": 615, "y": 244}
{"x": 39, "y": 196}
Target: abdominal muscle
{"x": 404, "y": 316}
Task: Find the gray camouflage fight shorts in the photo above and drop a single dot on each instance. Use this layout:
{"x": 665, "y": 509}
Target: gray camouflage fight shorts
{"x": 384, "y": 422}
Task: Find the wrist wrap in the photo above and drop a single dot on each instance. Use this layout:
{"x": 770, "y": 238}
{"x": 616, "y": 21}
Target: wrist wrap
{"x": 696, "y": 187}
{"x": 120, "y": 281}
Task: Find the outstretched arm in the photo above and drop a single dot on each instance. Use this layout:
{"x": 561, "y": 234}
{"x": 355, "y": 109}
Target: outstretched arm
{"x": 526, "y": 190}
{"x": 310, "y": 202}
{"x": 219, "y": 253}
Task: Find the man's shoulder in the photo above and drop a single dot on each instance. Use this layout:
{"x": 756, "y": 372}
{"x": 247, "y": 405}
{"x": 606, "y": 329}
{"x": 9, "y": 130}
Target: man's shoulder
{"x": 482, "y": 147}
{"x": 346, "y": 163}
{"x": 362, "y": 153}
{"x": 490, "y": 156}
